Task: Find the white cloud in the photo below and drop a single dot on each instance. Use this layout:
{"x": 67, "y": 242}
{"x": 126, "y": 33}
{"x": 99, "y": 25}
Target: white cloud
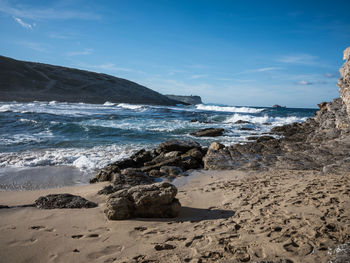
{"x": 107, "y": 67}
{"x": 23, "y": 24}
{"x": 305, "y": 59}
{"x": 40, "y": 47}
{"x": 265, "y": 69}
{"x": 199, "y": 76}
{"x": 86, "y": 51}
{"x": 304, "y": 82}
{"x": 26, "y": 11}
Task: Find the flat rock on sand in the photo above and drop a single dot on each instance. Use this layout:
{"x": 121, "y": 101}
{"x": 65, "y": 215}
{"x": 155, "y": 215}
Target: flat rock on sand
{"x": 228, "y": 216}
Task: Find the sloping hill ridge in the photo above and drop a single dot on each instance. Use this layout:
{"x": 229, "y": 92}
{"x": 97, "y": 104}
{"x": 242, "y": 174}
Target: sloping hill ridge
{"x": 27, "y": 81}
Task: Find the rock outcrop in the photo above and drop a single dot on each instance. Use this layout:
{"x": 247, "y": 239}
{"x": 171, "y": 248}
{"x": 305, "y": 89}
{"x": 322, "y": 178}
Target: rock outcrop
{"x": 186, "y": 99}
{"x": 27, "y": 81}
{"x": 344, "y": 81}
{"x": 155, "y": 200}
{"x": 209, "y": 132}
{"x": 171, "y": 159}
{"x": 59, "y": 201}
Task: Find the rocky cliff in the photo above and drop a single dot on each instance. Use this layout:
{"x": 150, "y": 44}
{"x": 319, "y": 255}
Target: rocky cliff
{"x": 27, "y": 81}
{"x": 186, "y": 99}
{"x": 321, "y": 143}
{"x": 344, "y": 81}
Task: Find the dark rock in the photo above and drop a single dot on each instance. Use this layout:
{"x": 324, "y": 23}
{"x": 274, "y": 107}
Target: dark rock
{"x": 194, "y": 120}
{"x": 218, "y": 160}
{"x": 127, "y": 178}
{"x": 165, "y": 246}
{"x": 322, "y": 106}
{"x": 176, "y": 161}
{"x": 141, "y": 157}
{"x": 171, "y": 171}
{"x": 260, "y": 138}
{"x": 341, "y": 254}
{"x": 194, "y": 153}
{"x": 177, "y": 145}
{"x": 163, "y": 157}
{"x": 188, "y": 163}
{"x": 4, "y": 206}
{"x": 216, "y": 146}
{"x": 242, "y": 122}
{"x": 209, "y": 132}
{"x": 155, "y": 173}
{"x": 246, "y": 129}
{"x": 155, "y": 200}
{"x": 54, "y": 201}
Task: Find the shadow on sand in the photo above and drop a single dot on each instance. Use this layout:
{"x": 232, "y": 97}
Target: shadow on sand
{"x": 190, "y": 214}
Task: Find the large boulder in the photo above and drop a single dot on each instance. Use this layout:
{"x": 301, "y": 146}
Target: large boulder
{"x": 209, "y": 132}
{"x": 155, "y": 200}
{"x": 219, "y": 159}
{"x": 125, "y": 179}
{"x": 54, "y": 201}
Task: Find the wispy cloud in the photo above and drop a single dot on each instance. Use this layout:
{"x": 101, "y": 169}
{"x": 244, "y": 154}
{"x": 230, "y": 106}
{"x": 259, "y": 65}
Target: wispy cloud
{"x": 265, "y": 69}
{"x": 28, "y": 12}
{"x": 331, "y": 75}
{"x": 23, "y": 24}
{"x": 86, "y": 51}
{"x": 199, "y": 76}
{"x": 40, "y": 47}
{"x": 305, "y": 83}
{"x": 305, "y": 59}
{"x": 106, "y": 67}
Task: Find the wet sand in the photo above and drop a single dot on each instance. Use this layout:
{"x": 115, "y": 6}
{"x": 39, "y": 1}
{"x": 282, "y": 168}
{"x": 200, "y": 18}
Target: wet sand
{"x": 226, "y": 216}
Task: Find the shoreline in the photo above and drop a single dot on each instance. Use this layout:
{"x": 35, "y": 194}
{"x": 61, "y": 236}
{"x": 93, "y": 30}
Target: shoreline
{"x": 226, "y": 216}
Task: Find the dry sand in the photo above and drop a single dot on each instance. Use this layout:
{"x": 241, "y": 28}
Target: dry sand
{"x": 226, "y": 217}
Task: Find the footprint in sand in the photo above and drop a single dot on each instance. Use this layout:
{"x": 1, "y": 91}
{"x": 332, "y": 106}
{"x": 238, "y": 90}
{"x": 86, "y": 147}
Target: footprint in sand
{"x": 25, "y": 242}
{"x": 106, "y": 251}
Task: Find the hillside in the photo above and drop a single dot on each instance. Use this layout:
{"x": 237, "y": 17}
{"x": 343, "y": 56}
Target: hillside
{"x": 27, "y": 81}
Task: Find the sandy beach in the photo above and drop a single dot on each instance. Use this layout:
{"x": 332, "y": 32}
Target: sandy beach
{"x": 226, "y": 216}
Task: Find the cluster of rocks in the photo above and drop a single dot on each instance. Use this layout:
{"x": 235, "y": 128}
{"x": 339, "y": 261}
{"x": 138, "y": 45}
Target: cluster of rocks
{"x": 320, "y": 143}
{"x": 170, "y": 159}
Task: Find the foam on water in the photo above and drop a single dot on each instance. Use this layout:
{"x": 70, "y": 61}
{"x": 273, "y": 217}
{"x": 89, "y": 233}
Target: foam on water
{"x": 228, "y": 109}
{"x": 90, "y": 136}
{"x": 274, "y": 121}
{"x": 85, "y": 159}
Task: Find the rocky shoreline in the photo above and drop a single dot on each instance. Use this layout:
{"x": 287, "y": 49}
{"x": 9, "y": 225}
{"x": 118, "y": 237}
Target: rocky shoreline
{"x": 286, "y": 204}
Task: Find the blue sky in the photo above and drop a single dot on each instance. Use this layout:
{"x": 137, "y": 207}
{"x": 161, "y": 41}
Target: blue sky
{"x": 255, "y": 53}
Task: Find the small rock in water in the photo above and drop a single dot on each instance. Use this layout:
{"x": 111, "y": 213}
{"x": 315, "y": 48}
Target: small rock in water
{"x": 59, "y": 201}
{"x": 209, "y": 132}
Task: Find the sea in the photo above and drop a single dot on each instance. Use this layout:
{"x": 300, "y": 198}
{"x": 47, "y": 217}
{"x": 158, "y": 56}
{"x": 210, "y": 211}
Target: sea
{"x": 54, "y": 144}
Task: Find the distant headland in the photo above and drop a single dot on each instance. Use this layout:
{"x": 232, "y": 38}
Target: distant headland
{"x": 28, "y": 81}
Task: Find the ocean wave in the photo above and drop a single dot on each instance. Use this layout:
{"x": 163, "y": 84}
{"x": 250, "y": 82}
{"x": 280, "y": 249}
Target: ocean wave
{"x": 107, "y": 103}
{"x": 87, "y": 160}
{"x": 130, "y": 106}
{"x": 275, "y": 121}
{"x": 228, "y": 108}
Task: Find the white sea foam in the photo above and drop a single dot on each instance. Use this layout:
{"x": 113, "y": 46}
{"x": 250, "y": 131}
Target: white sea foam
{"x": 107, "y": 103}
{"x": 228, "y": 108}
{"x": 275, "y": 121}
{"x": 85, "y": 159}
{"x": 130, "y": 106}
